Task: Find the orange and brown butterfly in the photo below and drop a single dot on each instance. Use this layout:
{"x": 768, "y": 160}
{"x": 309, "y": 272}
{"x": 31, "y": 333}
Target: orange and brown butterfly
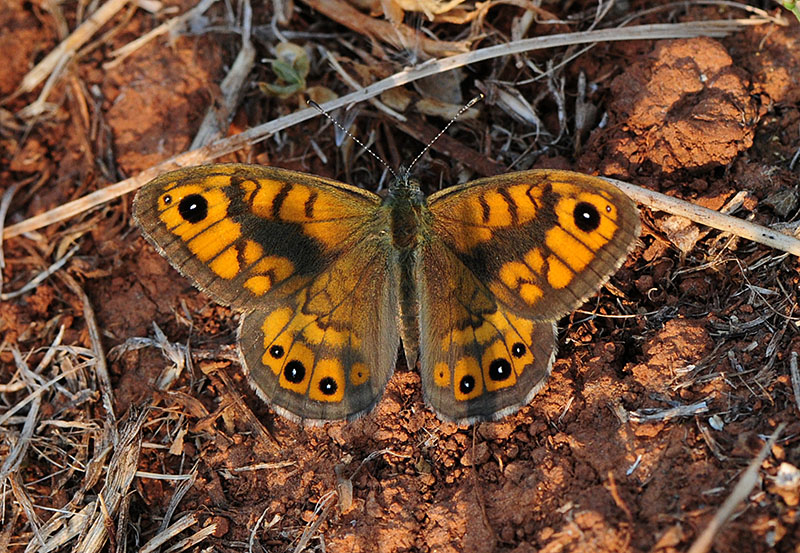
{"x": 331, "y": 278}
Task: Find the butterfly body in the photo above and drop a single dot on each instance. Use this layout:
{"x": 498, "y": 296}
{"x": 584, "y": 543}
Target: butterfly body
{"x": 331, "y": 278}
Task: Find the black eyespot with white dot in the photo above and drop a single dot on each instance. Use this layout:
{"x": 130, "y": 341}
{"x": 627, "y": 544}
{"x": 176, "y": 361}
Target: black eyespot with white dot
{"x": 294, "y": 371}
{"x": 587, "y": 218}
{"x": 167, "y": 199}
{"x": 193, "y": 208}
{"x": 467, "y": 384}
{"x": 276, "y": 351}
{"x": 518, "y": 350}
{"x": 499, "y": 370}
{"x": 328, "y": 386}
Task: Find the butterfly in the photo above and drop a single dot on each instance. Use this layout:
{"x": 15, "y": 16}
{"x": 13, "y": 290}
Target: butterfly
{"x": 331, "y": 279}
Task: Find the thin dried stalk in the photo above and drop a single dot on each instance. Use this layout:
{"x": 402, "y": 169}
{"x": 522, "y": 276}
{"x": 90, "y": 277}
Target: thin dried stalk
{"x": 221, "y": 111}
{"x": 666, "y": 414}
{"x": 8, "y": 195}
{"x": 711, "y": 218}
{"x": 795, "y": 378}
{"x": 123, "y": 52}
{"x": 41, "y": 277}
{"x": 321, "y": 511}
{"x": 101, "y": 367}
{"x": 194, "y": 539}
{"x": 121, "y": 471}
{"x": 166, "y": 534}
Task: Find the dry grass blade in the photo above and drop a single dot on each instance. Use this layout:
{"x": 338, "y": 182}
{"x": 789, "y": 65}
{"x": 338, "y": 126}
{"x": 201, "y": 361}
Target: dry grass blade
{"x": 8, "y": 195}
{"x": 17, "y": 453}
{"x": 41, "y": 277}
{"x": 399, "y": 36}
{"x": 101, "y": 366}
{"x": 187, "y": 521}
{"x": 740, "y": 492}
{"x": 33, "y": 395}
{"x": 121, "y": 471}
{"x": 180, "y": 491}
{"x": 795, "y": 373}
{"x": 13, "y": 461}
{"x": 194, "y": 539}
{"x": 236, "y": 399}
{"x": 178, "y": 355}
{"x": 321, "y": 512}
{"x": 20, "y": 492}
{"x": 262, "y": 132}
{"x": 70, "y": 45}
{"x": 672, "y": 413}
{"x": 221, "y": 111}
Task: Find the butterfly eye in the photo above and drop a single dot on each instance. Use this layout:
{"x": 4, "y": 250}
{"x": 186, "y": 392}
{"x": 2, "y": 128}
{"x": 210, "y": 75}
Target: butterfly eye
{"x": 518, "y": 350}
{"x": 294, "y": 371}
{"x": 587, "y": 218}
{"x": 328, "y": 386}
{"x": 193, "y": 208}
{"x": 499, "y": 369}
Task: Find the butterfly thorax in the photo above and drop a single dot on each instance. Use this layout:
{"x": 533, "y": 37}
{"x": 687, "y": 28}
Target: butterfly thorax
{"x": 408, "y": 213}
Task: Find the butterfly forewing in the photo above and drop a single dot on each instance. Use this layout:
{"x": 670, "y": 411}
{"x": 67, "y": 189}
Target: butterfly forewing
{"x": 542, "y": 241}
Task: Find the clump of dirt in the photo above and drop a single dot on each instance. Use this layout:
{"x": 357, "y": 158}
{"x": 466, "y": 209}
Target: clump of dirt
{"x": 685, "y": 106}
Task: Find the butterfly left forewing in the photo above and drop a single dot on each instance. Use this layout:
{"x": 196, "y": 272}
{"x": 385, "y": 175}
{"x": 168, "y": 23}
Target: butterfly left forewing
{"x": 542, "y": 240}
{"x": 506, "y": 257}
{"x": 240, "y": 231}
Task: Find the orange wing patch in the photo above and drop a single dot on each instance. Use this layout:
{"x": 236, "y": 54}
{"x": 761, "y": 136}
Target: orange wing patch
{"x": 491, "y": 209}
{"x": 290, "y": 339}
{"x": 323, "y": 216}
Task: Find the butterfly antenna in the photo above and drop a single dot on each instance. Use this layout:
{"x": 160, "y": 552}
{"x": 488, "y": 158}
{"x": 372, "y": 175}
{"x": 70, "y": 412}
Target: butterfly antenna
{"x": 469, "y": 104}
{"x": 318, "y": 107}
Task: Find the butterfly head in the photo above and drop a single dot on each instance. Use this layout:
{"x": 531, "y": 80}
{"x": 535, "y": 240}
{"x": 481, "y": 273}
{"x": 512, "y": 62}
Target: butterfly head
{"x": 405, "y": 190}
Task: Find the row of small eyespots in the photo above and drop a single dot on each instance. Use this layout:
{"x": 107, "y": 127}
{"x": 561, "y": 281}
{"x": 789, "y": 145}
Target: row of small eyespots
{"x": 468, "y": 373}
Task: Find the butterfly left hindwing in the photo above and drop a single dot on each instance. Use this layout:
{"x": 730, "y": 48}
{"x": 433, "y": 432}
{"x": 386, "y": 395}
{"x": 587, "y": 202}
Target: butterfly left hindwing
{"x": 303, "y": 257}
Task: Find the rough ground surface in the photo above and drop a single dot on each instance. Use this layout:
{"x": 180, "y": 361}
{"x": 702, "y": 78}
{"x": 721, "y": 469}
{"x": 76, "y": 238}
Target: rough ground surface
{"x": 692, "y": 316}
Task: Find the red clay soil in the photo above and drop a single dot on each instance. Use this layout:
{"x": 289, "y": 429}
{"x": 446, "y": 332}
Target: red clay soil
{"x": 692, "y": 316}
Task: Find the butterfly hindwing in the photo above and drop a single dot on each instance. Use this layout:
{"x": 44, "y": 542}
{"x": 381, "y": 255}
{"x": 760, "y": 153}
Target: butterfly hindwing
{"x": 327, "y": 352}
{"x": 477, "y": 359}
